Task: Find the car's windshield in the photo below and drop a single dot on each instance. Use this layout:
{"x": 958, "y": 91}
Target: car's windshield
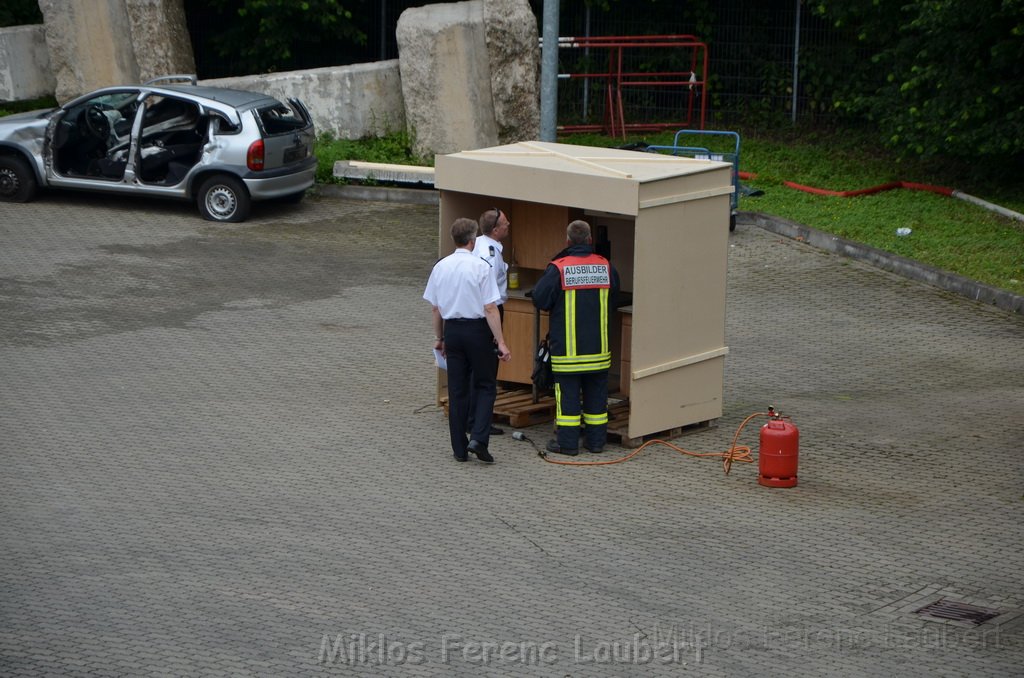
{"x": 114, "y": 99}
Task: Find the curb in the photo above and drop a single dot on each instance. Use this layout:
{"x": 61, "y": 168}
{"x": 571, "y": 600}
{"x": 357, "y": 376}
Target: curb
{"x": 894, "y": 263}
{"x": 410, "y": 196}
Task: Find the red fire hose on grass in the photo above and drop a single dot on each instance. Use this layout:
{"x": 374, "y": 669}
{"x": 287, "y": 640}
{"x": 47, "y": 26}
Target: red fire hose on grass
{"x": 909, "y": 185}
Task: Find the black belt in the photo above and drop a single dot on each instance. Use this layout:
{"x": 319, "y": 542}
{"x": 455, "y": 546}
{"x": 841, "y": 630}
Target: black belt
{"x": 465, "y": 320}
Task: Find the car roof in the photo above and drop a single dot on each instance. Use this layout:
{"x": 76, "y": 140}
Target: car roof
{"x": 235, "y": 98}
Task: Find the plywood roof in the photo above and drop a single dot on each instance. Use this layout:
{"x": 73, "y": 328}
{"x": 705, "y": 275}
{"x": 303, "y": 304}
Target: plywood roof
{"x": 613, "y": 162}
{"x": 584, "y": 176}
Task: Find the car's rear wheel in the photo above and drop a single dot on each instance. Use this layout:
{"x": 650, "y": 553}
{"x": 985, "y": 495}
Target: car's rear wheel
{"x": 222, "y": 197}
{"x": 17, "y": 181}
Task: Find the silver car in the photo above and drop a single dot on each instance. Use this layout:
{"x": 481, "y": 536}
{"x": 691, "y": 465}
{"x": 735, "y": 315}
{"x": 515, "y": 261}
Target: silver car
{"x": 222, "y": 148}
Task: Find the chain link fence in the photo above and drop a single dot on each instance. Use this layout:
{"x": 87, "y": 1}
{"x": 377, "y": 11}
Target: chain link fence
{"x": 752, "y": 47}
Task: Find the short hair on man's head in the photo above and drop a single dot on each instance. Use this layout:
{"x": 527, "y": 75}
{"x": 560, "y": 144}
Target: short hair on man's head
{"x": 489, "y": 220}
{"x": 463, "y": 230}
{"x": 578, "y": 232}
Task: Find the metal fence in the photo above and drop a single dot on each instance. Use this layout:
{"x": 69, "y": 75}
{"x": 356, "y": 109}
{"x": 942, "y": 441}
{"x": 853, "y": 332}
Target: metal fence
{"x": 752, "y": 50}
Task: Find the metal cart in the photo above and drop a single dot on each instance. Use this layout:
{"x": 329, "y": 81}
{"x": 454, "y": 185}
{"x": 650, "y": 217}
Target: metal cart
{"x": 706, "y": 153}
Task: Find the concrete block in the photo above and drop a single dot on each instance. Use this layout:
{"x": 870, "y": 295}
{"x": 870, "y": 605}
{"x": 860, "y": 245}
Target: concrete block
{"x": 513, "y": 52}
{"x": 97, "y": 43}
{"x": 446, "y": 77}
{"x": 160, "y": 37}
{"x": 85, "y": 49}
{"x": 24, "y": 64}
{"x": 350, "y": 102}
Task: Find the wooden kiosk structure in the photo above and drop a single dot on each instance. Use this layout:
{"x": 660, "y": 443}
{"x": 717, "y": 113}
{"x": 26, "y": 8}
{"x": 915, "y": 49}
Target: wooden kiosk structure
{"x": 663, "y": 221}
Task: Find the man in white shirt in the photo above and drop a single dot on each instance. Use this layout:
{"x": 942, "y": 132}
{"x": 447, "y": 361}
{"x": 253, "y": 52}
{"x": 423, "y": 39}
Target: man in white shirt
{"x": 494, "y": 227}
{"x": 467, "y": 326}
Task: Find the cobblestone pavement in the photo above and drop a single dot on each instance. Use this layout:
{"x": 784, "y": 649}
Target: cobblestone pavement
{"x": 220, "y": 456}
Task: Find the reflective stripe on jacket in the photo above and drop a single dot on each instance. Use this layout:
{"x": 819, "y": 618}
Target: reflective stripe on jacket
{"x": 579, "y": 325}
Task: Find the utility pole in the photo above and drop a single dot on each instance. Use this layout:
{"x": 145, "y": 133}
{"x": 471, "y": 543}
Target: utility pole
{"x": 796, "y": 61}
{"x": 383, "y": 30}
{"x": 549, "y": 73}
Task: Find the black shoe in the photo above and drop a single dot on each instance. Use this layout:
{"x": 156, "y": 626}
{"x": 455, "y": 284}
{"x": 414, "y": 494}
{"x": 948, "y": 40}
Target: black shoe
{"x": 595, "y": 450}
{"x": 495, "y": 431}
{"x": 553, "y": 447}
{"x": 460, "y": 457}
{"x": 480, "y": 450}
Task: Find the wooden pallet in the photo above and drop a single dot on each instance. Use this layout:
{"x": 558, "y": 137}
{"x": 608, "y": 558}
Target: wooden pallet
{"x": 516, "y": 408}
{"x": 618, "y": 427}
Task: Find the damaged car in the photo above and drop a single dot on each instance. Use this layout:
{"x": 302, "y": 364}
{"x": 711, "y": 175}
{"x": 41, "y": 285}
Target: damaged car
{"x": 222, "y": 148}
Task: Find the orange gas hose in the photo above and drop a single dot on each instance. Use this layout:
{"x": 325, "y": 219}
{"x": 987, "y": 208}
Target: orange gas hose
{"x": 736, "y": 453}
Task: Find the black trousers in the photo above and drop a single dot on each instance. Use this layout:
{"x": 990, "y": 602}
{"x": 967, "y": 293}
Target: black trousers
{"x": 472, "y": 400}
{"x": 472, "y": 381}
{"x": 591, "y": 410}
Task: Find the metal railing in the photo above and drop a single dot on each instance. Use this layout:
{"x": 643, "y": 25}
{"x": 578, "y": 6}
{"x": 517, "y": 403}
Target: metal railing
{"x": 629, "y": 63}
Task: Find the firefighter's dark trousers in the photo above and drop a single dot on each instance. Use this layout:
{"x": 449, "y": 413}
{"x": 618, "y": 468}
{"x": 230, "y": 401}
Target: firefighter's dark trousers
{"x": 593, "y": 414}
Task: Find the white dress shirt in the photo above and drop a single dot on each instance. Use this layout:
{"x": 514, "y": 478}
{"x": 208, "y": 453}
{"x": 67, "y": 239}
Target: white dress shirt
{"x": 461, "y": 285}
{"x": 489, "y": 249}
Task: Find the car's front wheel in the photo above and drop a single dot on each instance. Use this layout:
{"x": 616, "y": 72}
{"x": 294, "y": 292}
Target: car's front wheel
{"x": 17, "y": 182}
{"x": 222, "y": 197}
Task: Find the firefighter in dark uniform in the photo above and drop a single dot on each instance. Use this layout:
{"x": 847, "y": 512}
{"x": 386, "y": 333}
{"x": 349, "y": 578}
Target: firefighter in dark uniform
{"x": 579, "y": 289}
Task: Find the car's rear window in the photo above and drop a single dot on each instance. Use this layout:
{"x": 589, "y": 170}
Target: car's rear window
{"x": 281, "y": 118}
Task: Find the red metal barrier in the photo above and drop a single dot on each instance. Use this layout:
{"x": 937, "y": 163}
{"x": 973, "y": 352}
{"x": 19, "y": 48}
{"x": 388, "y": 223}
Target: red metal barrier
{"x": 617, "y": 78}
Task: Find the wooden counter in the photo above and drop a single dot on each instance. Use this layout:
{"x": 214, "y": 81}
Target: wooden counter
{"x": 519, "y": 334}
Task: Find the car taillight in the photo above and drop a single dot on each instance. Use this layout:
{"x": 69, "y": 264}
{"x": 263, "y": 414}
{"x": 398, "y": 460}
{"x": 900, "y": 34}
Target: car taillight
{"x": 254, "y": 158}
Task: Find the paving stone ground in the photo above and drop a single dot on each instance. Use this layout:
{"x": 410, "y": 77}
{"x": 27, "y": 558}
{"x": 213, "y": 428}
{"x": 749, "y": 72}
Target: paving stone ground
{"x": 219, "y": 455}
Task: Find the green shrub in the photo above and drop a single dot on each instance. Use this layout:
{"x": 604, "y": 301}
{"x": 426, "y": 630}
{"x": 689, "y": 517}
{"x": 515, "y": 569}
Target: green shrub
{"x": 395, "y": 148}
{"x": 9, "y": 107}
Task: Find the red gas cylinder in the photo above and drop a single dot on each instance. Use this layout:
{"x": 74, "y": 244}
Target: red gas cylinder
{"x": 777, "y": 457}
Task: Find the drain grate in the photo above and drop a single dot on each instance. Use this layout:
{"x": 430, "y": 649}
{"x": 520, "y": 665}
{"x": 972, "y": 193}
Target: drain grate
{"x": 950, "y": 610}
